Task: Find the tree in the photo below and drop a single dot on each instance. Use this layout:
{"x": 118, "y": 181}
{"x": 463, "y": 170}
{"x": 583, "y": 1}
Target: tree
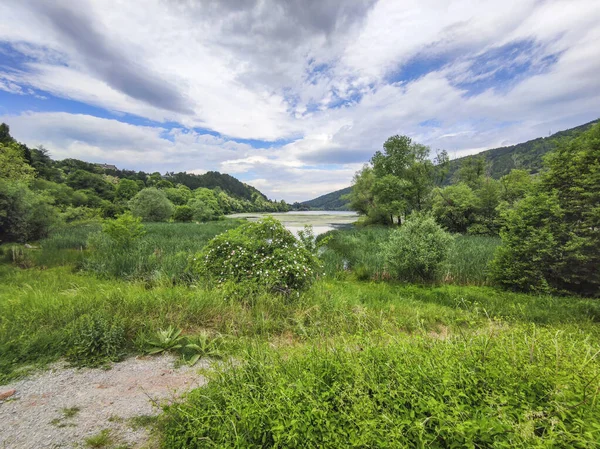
{"x": 179, "y": 195}
{"x": 551, "y": 237}
{"x": 471, "y": 171}
{"x": 151, "y": 204}
{"x": 183, "y": 213}
{"x": 408, "y": 162}
{"x": 13, "y": 166}
{"x": 5, "y": 137}
{"x": 361, "y": 197}
{"x": 488, "y": 199}
{"x": 205, "y": 205}
{"x": 515, "y": 185}
{"x": 126, "y": 189}
{"x": 388, "y": 193}
{"x": 153, "y": 179}
{"x": 82, "y": 180}
{"x": 24, "y": 215}
{"x": 44, "y": 166}
{"x": 454, "y": 207}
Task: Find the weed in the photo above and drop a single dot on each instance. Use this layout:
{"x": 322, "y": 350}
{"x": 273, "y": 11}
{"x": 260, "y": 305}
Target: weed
{"x": 94, "y": 340}
{"x": 138, "y": 422}
{"x": 165, "y": 340}
{"x": 487, "y": 390}
{"x": 100, "y": 440}
{"x": 70, "y": 412}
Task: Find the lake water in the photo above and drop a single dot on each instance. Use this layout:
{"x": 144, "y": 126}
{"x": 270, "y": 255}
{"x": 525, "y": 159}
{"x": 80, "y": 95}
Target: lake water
{"x": 321, "y": 220}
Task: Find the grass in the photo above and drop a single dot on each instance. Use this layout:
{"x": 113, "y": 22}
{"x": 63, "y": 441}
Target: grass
{"x": 525, "y": 387}
{"x": 102, "y": 439}
{"x": 351, "y": 362}
{"x": 37, "y": 309}
{"x": 358, "y": 251}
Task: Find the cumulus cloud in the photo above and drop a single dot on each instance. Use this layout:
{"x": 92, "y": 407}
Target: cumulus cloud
{"x": 320, "y": 83}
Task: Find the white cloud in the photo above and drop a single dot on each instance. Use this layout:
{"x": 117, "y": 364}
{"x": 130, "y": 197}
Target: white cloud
{"x": 271, "y": 71}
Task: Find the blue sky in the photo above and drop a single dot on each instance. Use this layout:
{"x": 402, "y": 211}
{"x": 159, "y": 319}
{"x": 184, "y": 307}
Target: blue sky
{"x": 291, "y": 97}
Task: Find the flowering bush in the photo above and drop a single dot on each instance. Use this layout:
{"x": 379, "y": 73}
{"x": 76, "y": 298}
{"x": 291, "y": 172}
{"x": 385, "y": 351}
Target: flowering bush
{"x": 262, "y": 253}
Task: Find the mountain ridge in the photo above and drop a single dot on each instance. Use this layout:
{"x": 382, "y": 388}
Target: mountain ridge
{"x": 499, "y": 161}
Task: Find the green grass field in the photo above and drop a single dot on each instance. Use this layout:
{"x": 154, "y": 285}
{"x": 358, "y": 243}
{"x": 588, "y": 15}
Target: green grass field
{"x": 354, "y": 361}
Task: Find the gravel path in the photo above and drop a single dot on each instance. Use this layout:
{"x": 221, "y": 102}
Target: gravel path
{"x": 37, "y": 415}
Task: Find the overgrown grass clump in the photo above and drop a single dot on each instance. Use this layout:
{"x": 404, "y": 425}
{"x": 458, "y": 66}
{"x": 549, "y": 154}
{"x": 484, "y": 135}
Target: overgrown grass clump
{"x": 360, "y": 252}
{"x": 160, "y": 255}
{"x": 521, "y": 388}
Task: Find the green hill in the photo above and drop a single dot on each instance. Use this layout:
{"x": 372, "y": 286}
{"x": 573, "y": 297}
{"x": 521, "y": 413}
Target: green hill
{"x": 527, "y": 155}
{"x": 213, "y": 179}
{"x": 330, "y": 201}
{"x": 499, "y": 161}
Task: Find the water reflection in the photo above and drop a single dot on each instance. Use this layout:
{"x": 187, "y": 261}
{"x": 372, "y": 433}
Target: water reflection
{"x": 321, "y": 221}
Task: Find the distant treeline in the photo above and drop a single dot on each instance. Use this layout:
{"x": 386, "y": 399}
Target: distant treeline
{"x": 37, "y": 192}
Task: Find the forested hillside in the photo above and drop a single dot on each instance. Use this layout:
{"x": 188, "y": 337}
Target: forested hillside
{"x": 331, "y": 201}
{"x": 525, "y": 156}
{"x": 498, "y": 162}
{"x": 37, "y": 193}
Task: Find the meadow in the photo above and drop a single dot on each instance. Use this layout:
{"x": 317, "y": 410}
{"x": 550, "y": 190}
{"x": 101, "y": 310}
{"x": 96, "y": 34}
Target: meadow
{"x": 356, "y": 360}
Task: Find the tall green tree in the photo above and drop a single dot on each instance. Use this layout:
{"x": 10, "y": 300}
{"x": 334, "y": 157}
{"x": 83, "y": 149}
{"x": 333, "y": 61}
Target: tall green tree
{"x": 151, "y": 204}
{"x": 13, "y": 165}
{"x": 126, "y": 189}
{"x": 551, "y": 237}
{"x": 409, "y": 162}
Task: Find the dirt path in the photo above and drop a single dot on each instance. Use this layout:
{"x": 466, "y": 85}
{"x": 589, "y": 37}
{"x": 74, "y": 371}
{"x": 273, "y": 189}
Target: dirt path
{"x": 61, "y": 407}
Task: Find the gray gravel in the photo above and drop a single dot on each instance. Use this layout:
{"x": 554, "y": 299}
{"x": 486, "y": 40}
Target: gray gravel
{"x": 107, "y": 399}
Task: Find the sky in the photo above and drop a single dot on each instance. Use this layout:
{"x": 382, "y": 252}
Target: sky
{"x": 291, "y": 96}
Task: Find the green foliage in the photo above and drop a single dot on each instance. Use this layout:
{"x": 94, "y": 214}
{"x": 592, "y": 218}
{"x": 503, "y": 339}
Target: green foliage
{"x": 179, "y": 195}
{"x": 191, "y": 348}
{"x": 126, "y": 189}
{"x": 417, "y": 250}
{"x": 24, "y": 215}
{"x": 205, "y": 205}
{"x": 94, "y": 340}
{"x": 523, "y": 156}
{"x": 408, "y": 163}
{"x": 183, "y": 213}
{"x": 469, "y": 260}
{"x": 515, "y": 388}
{"x": 165, "y": 340}
{"x": 202, "y": 345}
{"x": 161, "y": 255}
{"x": 36, "y": 306}
{"x": 551, "y": 237}
{"x": 263, "y": 254}
{"x": 310, "y": 241}
{"x": 151, "y": 204}
{"x": 13, "y": 166}
{"x": 124, "y": 230}
{"x": 331, "y": 201}
{"x": 103, "y": 439}
{"x": 84, "y": 180}
{"x": 454, "y": 207}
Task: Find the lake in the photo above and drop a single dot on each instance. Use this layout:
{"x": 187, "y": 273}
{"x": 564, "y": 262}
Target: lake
{"x": 321, "y": 220}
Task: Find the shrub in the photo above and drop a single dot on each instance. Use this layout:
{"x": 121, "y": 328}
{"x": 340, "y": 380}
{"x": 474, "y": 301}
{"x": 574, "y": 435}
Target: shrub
{"x": 24, "y": 215}
{"x": 93, "y": 340}
{"x": 183, "y": 213}
{"x": 417, "y": 250}
{"x": 124, "y": 230}
{"x": 151, "y": 204}
{"x": 263, "y": 254}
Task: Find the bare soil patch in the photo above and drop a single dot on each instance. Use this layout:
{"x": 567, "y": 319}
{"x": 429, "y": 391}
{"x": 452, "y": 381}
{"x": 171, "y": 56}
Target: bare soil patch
{"x": 61, "y": 407}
